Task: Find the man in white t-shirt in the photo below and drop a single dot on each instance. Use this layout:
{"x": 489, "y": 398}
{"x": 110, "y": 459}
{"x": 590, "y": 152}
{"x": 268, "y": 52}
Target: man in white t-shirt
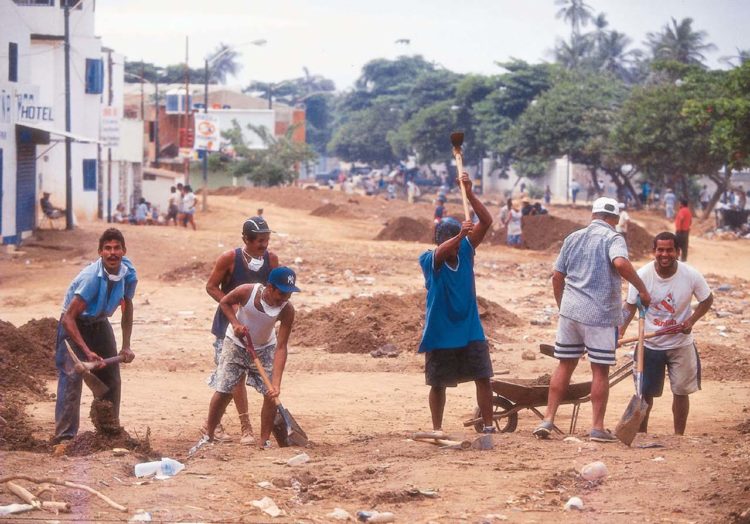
{"x": 672, "y": 286}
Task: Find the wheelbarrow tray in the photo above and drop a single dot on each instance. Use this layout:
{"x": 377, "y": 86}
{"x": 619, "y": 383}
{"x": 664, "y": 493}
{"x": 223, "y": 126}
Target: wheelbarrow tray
{"x": 525, "y": 392}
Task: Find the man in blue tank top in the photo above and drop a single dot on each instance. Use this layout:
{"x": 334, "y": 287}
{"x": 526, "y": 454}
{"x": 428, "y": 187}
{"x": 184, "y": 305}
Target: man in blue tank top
{"x": 453, "y": 340}
{"x": 249, "y": 264}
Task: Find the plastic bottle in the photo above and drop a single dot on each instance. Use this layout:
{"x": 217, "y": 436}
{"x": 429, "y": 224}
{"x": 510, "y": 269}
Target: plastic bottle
{"x": 166, "y": 467}
{"x": 298, "y": 460}
{"x": 594, "y": 471}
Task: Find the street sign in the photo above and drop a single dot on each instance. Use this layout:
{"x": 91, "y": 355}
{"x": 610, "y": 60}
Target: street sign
{"x": 206, "y": 132}
{"x": 109, "y": 127}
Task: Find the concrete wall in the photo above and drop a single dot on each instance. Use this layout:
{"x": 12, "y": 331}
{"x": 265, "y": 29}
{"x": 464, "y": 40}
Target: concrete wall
{"x": 14, "y": 30}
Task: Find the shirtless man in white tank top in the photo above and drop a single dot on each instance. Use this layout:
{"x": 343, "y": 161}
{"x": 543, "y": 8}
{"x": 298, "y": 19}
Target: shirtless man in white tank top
{"x": 252, "y": 311}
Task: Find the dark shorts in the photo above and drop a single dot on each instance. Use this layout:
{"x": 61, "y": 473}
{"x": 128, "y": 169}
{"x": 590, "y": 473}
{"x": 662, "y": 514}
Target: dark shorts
{"x": 449, "y": 367}
{"x": 682, "y": 364}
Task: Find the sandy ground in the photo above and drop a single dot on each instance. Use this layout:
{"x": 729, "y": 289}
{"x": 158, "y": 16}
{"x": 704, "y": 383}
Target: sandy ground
{"x": 360, "y": 411}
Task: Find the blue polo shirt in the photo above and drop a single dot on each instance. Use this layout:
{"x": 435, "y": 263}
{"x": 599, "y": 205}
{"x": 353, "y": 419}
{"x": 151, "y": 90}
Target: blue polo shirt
{"x": 452, "y": 316}
{"x": 92, "y": 284}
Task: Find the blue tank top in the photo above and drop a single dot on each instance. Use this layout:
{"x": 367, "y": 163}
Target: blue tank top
{"x": 241, "y": 274}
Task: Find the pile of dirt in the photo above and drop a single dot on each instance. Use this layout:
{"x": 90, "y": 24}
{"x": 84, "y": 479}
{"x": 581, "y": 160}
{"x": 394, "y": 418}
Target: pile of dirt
{"x": 331, "y": 210}
{"x": 720, "y": 362}
{"x": 90, "y": 442}
{"x": 406, "y": 228}
{"x": 542, "y": 232}
{"x": 363, "y": 324}
{"x": 228, "y": 190}
{"x": 640, "y": 241}
{"x": 26, "y": 359}
{"x": 541, "y": 380}
{"x": 192, "y": 270}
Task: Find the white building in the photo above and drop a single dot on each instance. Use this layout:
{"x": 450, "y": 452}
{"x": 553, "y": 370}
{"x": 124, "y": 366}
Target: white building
{"x": 32, "y": 111}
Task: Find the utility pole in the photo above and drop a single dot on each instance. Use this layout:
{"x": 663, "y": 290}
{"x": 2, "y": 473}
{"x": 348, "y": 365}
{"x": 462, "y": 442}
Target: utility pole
{"x": 157, "y": 145}
{"x": 204, "y": 196}
{"x": 187, "y": 114}
{"x": 68, "y": 162}
{"x": 110, "y": 98}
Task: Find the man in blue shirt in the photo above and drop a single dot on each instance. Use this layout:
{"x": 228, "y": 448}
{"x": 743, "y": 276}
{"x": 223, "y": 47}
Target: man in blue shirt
{"x": 453, "y": 340}
{"x": 586, "y": 282}
{"x": 91, "y": 299}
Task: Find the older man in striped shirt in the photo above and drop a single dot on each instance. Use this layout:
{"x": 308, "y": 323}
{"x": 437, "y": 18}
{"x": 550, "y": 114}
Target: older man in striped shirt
{"x": 587, "y": 287}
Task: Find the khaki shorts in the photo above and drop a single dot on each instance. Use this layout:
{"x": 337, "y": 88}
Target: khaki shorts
{"x": 573, "y": 339}
{"x": 683, "y": 365}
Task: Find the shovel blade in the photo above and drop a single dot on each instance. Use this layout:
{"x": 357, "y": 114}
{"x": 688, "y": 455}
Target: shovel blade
{"x": 631, "y": 420}
{"x": 286, "y": 431}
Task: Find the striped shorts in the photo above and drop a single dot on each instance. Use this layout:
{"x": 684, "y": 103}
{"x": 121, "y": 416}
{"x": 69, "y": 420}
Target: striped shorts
{"x": 574, "y": 339}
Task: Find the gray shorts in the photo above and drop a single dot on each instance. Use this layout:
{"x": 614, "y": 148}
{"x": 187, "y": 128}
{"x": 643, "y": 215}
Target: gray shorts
{"x": 234, "y": 362}
{"x": 573, "y": 339}
{"x": 683, "y": 365}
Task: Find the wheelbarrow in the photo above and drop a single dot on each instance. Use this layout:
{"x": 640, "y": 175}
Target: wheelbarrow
{"x": 512, "y": 396}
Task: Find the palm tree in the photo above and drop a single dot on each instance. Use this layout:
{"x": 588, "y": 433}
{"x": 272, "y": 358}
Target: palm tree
{"x": 571, "y": 54}
{"x": 613, "y": 55}
{"x": 680, "y": 42}
{"x": 742, "y": 56}
{"x": 575, "y": 12}
{"x": 223, "y": 62}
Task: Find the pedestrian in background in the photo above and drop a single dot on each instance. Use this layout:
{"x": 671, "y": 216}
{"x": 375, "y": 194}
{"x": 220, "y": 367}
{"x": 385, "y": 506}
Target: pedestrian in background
{"x": 682, "y": 222}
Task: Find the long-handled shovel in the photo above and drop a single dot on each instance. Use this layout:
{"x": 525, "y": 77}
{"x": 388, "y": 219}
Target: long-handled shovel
{"x": 637, "y": 408}
{"x": 286, "y": 431}
{"x": 457, "y": 139}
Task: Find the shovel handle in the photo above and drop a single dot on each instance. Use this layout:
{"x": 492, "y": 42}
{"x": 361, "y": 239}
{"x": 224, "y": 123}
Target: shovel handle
{"x": 459, "y": 170}
{"x": 248, "y": 343}
{"x": 641, "y": 337}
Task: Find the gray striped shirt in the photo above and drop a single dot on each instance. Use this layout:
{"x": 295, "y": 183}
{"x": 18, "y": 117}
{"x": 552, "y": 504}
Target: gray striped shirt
{"x": 593, "y": 287}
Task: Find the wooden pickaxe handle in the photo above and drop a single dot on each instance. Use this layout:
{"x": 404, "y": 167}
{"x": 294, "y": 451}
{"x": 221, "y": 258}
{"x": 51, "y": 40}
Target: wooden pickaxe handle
{"x": 459, "y": 171}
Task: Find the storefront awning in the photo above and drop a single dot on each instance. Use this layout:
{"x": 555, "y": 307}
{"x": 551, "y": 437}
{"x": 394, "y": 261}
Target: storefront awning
{"x": 58, "y": 132}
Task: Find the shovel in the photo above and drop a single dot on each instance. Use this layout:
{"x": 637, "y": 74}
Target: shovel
{"x": 98, "y": 388}
{"x": 285, "y": 430}
{"x": 637, "y": 408}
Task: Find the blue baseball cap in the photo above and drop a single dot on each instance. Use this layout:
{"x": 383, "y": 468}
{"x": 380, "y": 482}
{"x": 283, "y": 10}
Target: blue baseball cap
{"x": 284, "y": 279}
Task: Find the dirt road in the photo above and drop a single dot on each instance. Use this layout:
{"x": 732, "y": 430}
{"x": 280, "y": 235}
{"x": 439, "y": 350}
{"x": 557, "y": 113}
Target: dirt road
{"x": 358, "y": 410}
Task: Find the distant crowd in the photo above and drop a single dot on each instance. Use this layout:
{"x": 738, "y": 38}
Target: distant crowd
{"x": 180, "y": 210}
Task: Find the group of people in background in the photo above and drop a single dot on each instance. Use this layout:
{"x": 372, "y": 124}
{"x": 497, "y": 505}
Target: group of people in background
{"x": 180, "y": 210}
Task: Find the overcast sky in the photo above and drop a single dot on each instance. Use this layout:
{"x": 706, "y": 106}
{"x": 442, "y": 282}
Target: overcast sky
{"x": 335, "y": 38}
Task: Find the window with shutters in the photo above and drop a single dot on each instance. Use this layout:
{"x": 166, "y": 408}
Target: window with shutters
{"x": 94, "y": 76}
{"x": 12, "y": 62}
{"x": 89, "y": 174}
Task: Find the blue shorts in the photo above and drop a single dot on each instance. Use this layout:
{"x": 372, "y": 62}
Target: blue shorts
{"x": 682, "y": 364}
{"x": 449, "y": 367}
{"x": 514, "y": 240}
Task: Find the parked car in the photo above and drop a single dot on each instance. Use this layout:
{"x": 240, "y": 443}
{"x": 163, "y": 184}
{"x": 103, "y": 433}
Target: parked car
{"x": 323, "y": 179}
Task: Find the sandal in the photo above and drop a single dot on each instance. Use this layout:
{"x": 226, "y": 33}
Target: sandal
{"x": 543, "y": 430}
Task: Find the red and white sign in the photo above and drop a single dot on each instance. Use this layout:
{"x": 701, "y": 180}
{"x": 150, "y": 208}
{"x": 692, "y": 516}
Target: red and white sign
{"x": 207, "y": 135}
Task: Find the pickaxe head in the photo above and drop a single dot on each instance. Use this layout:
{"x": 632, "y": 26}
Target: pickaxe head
{"x": 98, "y": 388}
{"x": 457, "y": 139}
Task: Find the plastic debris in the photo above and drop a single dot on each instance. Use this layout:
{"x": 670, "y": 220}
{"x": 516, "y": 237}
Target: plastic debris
{"x": 574, "y": 503}
{"x": 298, "y": 460}
{"x": 375, "y": 516}
{"x": 268, "y": 506}
{"x": 141, "y": 516}
{"x": 161, "y": 469}
{"x": 340, "y": 514}
{"x": 594, "y": 471}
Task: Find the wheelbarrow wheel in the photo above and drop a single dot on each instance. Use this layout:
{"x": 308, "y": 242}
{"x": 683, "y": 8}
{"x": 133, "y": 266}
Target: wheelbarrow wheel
{"x": 501, "y": 406}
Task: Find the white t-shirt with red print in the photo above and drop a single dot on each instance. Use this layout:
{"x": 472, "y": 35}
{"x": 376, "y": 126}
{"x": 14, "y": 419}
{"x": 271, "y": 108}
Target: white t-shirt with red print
{"x": 670, "y": 302}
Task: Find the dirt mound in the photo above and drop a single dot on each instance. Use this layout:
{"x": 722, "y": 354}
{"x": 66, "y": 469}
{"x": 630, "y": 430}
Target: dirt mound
{"x": 331, "y": 210}
{"x": 640, "y": 241}
{"x": 371, "y": 322}
{"x": 192, "y": 270}
{"x": 542, "y": 232}
{"x": 228, "y": 190}
{"x": 26, "y": 358}
{"x": 720, "y": 362}
{"x": 406, "y": 228}
{"x": 88, "y": 442}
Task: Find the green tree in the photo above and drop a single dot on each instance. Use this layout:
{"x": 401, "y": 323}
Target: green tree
{"x": 363, "y": 137}
{"x": 575, "y": 12}
{"x": 276, "y": 164}
{"x": 725, "y": 116}
{"x": 654, "y": 134}
{"x": 574, "y": 117}
{"x": 679, "y": 42}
